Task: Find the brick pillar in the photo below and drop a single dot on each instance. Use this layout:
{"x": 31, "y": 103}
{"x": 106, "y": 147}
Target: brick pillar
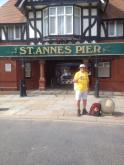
{"x": 42, "y": 81}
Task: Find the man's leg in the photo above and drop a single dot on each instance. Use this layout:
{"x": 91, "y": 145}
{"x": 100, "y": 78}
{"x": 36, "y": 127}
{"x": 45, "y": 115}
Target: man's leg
{"x": 77, "y": 97}
{"x": 78, "y": 104}
{"x": 78, "y": 108}
{"x": 84, "y": 101}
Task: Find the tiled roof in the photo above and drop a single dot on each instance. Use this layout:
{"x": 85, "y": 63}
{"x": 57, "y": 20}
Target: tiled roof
{"x": 115, "y": 9}
{"x": 10, "y": 14}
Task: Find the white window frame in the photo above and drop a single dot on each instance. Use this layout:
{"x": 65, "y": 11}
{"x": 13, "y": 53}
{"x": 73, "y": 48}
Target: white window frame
{"x": 56, "y": 20}
{"x": 11, "y": 31}
{"x": 8, "y": 67}
{"x": 77, "y": 16}
{"x": 66, "y": 18}
{"x": 115, "y": 24}
{"x": 14, "y": 37}
{"x": 45, "y": 18}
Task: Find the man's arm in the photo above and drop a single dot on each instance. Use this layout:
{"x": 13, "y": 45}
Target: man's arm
{"x": 88, "y": 82}
{"x": 76, "y": 78}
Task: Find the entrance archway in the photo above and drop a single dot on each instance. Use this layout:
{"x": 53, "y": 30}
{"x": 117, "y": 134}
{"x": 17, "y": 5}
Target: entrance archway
{"x": 59, "y": 74}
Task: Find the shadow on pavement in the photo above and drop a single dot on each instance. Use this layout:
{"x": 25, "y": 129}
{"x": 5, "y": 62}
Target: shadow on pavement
{"x": 106, "y": 96}
{"x": 118, "y": 114}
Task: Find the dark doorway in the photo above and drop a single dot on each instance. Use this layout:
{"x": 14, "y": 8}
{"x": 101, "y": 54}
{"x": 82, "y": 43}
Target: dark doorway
{"x": 50, "y": 73}
{"x": 59, "y": 74}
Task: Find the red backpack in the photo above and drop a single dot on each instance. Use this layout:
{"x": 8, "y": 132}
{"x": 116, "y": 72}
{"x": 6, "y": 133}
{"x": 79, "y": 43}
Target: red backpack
{"x": 95, "y": 109}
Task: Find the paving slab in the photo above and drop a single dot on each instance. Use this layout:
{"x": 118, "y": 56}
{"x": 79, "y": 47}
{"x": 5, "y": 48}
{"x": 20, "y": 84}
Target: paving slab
{"x": 57, "y": 105}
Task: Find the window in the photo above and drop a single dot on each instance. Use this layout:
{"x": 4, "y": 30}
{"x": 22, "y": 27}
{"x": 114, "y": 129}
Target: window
{"x": 17, "y": 32}
{"x": 27, "y": 70}
{"x": 61, "y": 24}
{"x": 14, "y": 33}
{"x": 8, "y": 67}
{"x": 104, "y": 69}
{"x": 77, "y": 20}
{"x": 61, "y": 20}
{"x": 45, "y": 22}
{"x": 68, "y": 20}
{"x": 0, "y": 34}
{"x": 52, "y": 20}
{"x": 119, "y": 28}
{"x": 11, "y": 33}
{"x": 115, "y": 28}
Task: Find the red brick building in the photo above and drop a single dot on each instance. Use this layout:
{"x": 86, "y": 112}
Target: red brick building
{"x": 63, "y": 33}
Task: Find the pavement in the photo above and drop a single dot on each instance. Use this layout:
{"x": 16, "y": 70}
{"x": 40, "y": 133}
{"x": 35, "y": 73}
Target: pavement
{"x": 56, "y": 105}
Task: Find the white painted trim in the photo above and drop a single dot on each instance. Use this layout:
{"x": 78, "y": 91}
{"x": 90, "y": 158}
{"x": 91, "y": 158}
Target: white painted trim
{"x": 21, "y": 3}
{"x": 102, "y": 1}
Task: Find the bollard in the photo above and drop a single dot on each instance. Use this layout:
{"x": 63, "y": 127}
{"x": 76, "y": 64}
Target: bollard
{"x": 22, "y": 88}
{"x": 107, "y": 106}
{"x": 96, "y": 92}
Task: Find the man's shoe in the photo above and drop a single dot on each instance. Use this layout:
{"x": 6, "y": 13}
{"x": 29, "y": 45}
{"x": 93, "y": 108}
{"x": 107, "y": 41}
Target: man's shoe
{"x": 78, "y": 113}
{"x": 84, "y": 112}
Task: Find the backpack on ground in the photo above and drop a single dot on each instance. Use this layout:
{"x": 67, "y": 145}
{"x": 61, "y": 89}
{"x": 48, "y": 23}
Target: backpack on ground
{"x": 95, "y": 109}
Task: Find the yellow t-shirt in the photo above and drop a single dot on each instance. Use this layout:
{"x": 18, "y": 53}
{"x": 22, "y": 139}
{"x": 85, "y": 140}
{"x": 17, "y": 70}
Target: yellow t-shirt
{"x": 83, "y": 83}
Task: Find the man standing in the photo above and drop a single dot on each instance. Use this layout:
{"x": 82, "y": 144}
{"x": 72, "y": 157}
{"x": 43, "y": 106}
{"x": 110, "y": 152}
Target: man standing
{"x": 81, "y": 85}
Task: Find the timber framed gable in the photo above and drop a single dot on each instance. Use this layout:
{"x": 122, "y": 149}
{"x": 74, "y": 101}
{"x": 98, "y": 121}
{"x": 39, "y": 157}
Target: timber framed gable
{"x": 91, "y": 22}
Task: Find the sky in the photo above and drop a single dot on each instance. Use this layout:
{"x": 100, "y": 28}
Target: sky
{"x": 2, "y": 2}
